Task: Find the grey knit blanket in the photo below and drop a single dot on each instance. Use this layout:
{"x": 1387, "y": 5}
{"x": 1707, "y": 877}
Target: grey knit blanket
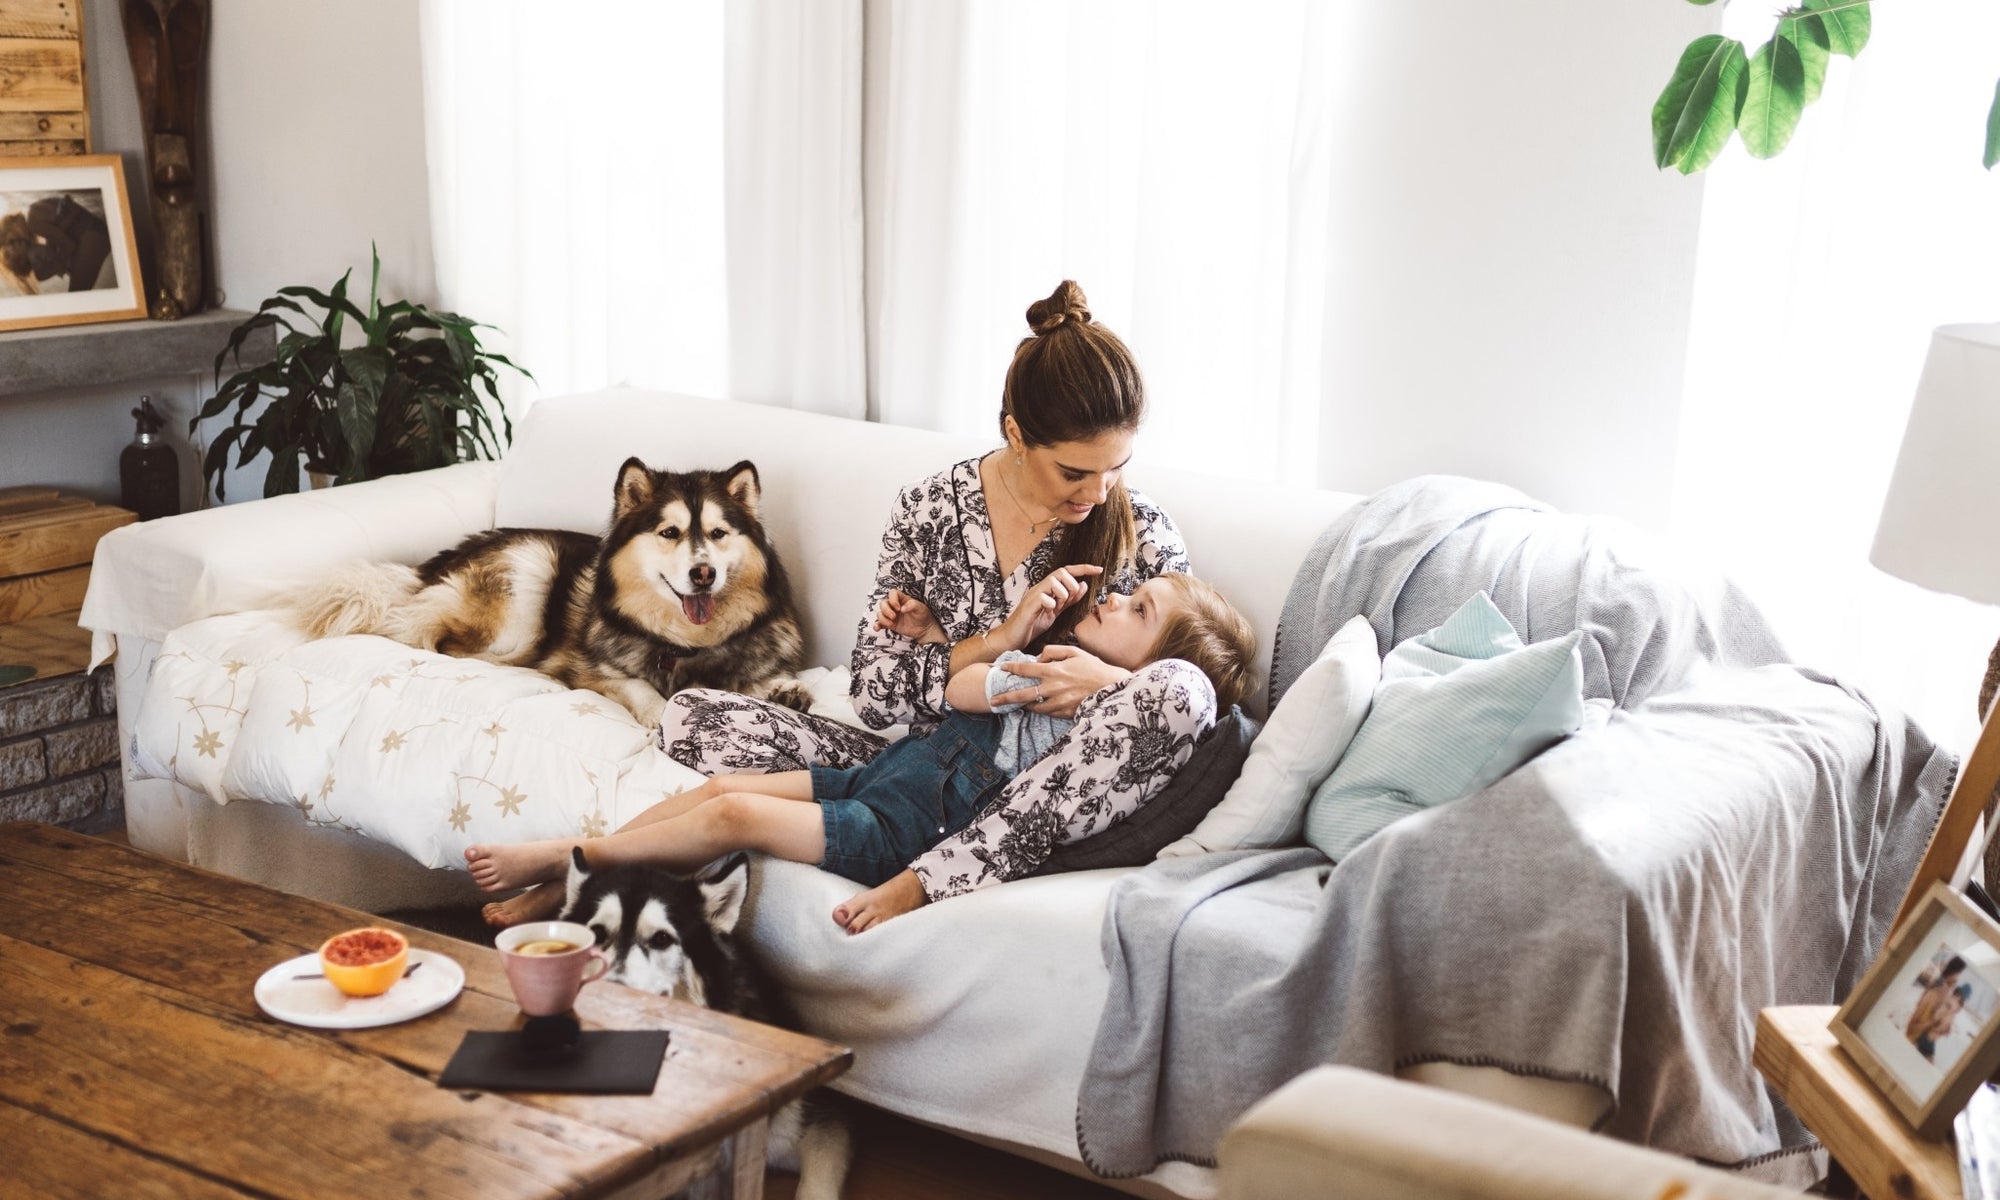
{"x": 1735, "y": 833}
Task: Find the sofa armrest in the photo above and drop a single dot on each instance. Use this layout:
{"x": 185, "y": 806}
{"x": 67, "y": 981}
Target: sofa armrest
{"x": 1337, "y": 1131}
{"x": 151, "y": 578}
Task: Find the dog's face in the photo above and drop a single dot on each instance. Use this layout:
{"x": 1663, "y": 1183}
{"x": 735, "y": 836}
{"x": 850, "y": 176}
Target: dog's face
{"x": 664, "y": 933}
{"x": 687, "y": 552}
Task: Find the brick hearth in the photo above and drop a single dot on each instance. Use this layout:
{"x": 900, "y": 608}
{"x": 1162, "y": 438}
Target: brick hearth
{"x": 59, "y": 753}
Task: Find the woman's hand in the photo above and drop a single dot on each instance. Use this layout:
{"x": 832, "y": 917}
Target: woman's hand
{"x": 1064, "y": 676}
{"x": 904, "y": 614}
{"x": 1041, "y": 604}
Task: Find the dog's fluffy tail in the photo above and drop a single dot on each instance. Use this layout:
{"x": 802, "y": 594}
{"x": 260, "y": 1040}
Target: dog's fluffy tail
{"x": 362, "y": 598}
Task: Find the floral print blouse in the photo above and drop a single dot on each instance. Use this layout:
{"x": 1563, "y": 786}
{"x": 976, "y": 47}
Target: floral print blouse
{"x": 939, "y": 548}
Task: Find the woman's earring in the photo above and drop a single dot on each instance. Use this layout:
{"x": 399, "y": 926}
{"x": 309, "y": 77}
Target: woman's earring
{"x": 1017, "y": 460}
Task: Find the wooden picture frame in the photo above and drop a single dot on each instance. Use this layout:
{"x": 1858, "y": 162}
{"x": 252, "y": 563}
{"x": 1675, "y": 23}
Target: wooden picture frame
{"x": 60, "y": 217}
{"x": 1924, "y": 1023}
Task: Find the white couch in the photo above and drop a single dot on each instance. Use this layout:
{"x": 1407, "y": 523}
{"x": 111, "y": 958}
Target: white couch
{"x": 975, "y": 1015}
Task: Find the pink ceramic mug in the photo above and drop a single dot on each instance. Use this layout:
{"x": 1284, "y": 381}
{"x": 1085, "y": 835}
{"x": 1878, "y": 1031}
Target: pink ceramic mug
{"x": 545, "y": 976}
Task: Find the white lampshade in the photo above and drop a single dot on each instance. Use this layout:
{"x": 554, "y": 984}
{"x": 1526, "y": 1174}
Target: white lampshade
{"x": 1937, "y": 526}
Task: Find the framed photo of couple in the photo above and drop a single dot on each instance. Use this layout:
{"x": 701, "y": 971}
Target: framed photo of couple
{"x": 67, "y": 254}
{"x": 1924, "y": 1023}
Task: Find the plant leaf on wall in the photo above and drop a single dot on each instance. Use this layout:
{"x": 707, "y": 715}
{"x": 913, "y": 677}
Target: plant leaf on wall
{"x": 1993, "y": 131}
{"x": 1697, "y": 112}
{"x": 1847, "y": 23}
{"x": 1773, "y": 98}
{"x": 1808, "y": 35}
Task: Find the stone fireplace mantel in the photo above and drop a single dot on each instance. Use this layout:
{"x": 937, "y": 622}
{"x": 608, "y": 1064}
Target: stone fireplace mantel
{"x": 75, "y": 356}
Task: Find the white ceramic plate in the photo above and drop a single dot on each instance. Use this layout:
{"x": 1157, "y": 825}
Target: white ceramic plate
{"x": 315, "y": 1002}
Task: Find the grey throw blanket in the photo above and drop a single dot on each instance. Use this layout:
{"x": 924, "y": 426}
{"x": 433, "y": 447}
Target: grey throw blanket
{"x": 1735, "y": 834}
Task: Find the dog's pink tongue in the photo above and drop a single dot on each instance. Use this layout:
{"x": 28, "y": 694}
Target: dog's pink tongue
{"x": 698, "y": 607}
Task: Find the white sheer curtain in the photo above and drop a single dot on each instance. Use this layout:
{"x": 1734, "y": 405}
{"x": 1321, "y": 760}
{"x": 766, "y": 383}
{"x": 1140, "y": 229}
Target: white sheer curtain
{"x": 577, "y": 187}
{"x": 793, "y": 153}
{"x": 583, "y": 157}
{"x": 1172, "y": 158}
{"x": 1820, "y": 276}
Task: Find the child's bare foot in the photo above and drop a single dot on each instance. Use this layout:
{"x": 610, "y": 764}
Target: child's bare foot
{"x": 504, "y": 868}
{"x": 902, "y": 894}
{"x": 539, "y": 903}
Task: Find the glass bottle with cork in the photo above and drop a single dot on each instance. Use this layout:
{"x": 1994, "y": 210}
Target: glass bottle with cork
{"x": 149, "y": 472}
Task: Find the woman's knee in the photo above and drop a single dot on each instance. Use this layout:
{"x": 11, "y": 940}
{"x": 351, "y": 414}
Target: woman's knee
{"x": 683, "y": 706}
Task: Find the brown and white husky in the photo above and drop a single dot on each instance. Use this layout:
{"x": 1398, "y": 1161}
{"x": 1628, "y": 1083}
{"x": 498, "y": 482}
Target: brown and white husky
{"x": 683, "y": 590}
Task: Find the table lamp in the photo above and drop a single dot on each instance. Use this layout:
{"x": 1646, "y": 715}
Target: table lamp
{"x": 1932, "y": 534}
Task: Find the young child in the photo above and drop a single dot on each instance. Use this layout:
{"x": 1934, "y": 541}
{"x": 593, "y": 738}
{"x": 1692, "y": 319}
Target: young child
{"x": 868, "y": 822}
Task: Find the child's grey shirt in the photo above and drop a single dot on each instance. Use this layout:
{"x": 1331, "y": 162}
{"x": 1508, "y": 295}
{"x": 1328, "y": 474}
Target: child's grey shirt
{"x": 1024, "y": 736}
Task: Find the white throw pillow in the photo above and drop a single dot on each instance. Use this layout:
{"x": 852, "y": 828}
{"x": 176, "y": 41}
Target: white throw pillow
{"x": 1297, "y": 750}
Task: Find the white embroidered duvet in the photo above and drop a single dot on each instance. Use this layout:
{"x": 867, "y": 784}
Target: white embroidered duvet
{"x": 423, "y": 751}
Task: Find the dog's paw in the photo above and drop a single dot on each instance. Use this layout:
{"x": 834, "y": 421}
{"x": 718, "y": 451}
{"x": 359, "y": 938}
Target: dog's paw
{"x": 791, "y": 695}
{"x": 648, "y": 711}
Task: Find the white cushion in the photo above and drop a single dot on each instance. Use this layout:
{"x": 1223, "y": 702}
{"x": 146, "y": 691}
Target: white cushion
{"x": 1458, "y": 707}
{"x": 1297, "y": 749}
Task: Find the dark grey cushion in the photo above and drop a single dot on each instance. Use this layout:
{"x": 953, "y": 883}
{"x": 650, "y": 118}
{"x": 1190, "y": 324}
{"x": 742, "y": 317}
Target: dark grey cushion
{"x": 1172, "y": 815}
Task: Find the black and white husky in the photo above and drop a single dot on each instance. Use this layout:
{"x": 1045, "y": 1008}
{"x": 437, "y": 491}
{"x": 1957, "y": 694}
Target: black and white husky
{"x": 682, "y": 590}
{"x": 676, "y": 936}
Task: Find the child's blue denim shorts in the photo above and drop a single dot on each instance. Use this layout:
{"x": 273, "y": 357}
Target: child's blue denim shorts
{"x": 881, "y": 815}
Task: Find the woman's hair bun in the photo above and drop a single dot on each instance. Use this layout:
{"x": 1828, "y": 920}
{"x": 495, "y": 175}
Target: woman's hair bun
{"x": 1067, "y": 303}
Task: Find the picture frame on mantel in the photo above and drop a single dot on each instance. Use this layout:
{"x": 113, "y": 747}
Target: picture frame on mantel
{"x": 67, "y": 254}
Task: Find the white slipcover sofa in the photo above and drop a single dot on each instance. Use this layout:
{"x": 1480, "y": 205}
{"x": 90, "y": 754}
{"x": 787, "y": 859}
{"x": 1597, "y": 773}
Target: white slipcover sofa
{"x": 975, "y": 1015}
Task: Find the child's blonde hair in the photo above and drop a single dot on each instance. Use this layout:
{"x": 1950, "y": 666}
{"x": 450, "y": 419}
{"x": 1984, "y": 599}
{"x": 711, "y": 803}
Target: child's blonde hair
{"x": 1208, "y": 632}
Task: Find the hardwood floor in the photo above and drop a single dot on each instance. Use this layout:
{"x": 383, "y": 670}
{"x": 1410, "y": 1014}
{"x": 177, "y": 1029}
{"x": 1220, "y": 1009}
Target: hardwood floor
{"x": 899, "y": 1160}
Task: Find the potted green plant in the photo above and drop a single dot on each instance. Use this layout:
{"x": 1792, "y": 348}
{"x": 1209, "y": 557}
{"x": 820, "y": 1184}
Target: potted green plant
{"x": 415, "y": 390}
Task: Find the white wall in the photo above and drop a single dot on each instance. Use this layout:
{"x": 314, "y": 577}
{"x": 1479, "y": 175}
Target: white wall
{"x": 316, "y": 126}
{"x": 1510, "y": 300}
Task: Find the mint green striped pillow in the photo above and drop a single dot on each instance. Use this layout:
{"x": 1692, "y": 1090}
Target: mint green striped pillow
{"x": 1457, "y": 708}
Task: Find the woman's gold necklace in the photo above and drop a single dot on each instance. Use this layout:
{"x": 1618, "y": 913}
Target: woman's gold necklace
{"x": 1034, "y": 527}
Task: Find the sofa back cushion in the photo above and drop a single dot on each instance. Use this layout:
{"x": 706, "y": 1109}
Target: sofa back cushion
{"x": 829, "y": 483}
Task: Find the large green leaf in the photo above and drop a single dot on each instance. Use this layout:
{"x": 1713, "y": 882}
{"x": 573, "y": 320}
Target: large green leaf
{"x": 1697, "y": 112}
{"x": 1847, "y": 24}
{"x": 283, "y": 476}
{"x": 1993, "y": 131}
{"x": 1773, "y": 98}
{"x": 1808, "y": 34}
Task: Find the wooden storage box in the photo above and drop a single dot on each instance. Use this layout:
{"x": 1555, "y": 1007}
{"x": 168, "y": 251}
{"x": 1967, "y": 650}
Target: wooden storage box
{"x": 46, "y": 543}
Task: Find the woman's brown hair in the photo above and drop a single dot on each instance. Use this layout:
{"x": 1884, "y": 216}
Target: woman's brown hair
{"x": 1208, "y": 632}
{"x": 1072, "y": 380}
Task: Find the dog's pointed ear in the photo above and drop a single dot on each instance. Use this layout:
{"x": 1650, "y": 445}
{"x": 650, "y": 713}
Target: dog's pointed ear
{"x": 579, "y": 870}
{"x": 723, "y": 890}
{"x": 743, "y": 486}
{"x": 633, "y": 490}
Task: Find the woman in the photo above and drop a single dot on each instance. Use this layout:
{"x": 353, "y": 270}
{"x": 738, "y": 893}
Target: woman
{"x": 1003, "y": 552}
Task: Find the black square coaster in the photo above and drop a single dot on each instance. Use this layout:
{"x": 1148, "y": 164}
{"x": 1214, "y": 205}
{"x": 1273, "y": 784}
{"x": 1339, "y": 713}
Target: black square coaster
{"x": 602, "y": 1061}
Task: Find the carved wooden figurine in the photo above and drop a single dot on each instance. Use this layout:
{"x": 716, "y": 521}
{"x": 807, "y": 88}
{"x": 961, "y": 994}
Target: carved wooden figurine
{"x": 168, "y": 41}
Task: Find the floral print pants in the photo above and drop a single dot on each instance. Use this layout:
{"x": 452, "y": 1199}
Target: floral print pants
{"x": 1128, "y": 740}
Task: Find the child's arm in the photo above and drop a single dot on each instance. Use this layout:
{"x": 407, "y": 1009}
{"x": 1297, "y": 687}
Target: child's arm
{"x": 966, "y": 691}
{"x": 973, "y": 689}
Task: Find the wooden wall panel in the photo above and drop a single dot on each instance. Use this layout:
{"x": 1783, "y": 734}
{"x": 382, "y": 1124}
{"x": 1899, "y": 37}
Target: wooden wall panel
{"x": 43, "y": 110}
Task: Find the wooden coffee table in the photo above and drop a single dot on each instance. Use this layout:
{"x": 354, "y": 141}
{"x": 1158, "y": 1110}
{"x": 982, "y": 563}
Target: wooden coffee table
{"x": 135, "y": 1062}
